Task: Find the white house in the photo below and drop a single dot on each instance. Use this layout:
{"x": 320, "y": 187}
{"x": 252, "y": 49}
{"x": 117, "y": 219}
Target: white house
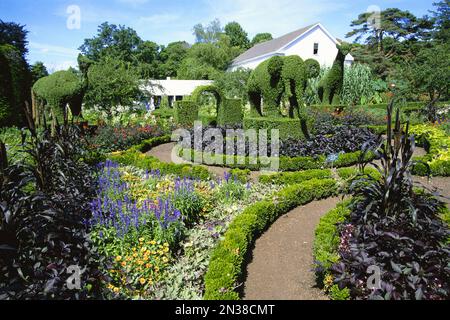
{"x": 173, "y": 89}
{"x": 313, "y": 41}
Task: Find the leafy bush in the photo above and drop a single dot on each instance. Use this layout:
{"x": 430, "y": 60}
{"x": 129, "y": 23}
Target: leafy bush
{"x": 385, "y": 229}
{"x": 42, "y": 230}
{"x": 186, "y": 112}
{"x": 288, "y": 128}
{"x": 108, "y": 138}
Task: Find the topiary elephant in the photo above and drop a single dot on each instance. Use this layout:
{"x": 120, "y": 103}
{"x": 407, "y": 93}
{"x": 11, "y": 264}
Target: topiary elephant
{"x": 274, "y": 79}
{"x": 330, "y": 87}
{"x": 61, "y": 89}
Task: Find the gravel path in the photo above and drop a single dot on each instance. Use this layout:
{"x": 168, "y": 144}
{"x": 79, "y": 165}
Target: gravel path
{"x": 282, "y": 262}
{"x": 164, "y": 154}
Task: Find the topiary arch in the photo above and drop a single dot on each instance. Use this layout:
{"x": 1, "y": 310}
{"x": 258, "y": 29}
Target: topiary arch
{"x": 197, "y": 94}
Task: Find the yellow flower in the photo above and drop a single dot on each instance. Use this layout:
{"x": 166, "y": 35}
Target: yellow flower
{"x": 153, "y": 242}
{"x": 165, "y": 259}
{"x": 166, "y": 249}
{"x": 148, "y": 265}
{"x": 141, "y": 239}
{"x": 142, "y": 280}
{"x": 116, "y": 290}
{"x": 135, "y": 255}
{"x": 124, "y": 264}
{"x": 166, "y": 244}
{"x": 118, "y": 258}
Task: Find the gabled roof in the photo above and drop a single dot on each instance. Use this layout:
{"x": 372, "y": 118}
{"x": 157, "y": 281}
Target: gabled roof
{"x": 272, "y": 46}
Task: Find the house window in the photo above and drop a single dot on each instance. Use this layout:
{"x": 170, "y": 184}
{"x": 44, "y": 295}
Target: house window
{"x": 316, "y": 48}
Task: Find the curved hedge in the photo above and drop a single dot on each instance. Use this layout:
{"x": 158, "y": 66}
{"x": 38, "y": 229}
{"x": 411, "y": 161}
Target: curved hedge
{"x": 228, "y": 259}
{"x": 285, "y": 163}
{"x": 325, "y": 249}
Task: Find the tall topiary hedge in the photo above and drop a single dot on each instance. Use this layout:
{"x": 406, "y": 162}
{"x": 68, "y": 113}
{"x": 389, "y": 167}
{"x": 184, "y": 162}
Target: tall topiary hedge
{"x": 231, "y": 113}
{"x": 288, "y": 128}
{"x": 186, "y": 112}
{"x": 58, "y": 90}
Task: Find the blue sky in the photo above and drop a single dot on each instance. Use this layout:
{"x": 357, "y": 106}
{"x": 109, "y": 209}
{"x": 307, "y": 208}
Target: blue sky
{"x": 165, "y": 21}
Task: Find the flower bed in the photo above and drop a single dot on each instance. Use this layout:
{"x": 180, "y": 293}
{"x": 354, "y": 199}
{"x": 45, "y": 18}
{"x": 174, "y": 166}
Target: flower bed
{"x": 149, "y": 227}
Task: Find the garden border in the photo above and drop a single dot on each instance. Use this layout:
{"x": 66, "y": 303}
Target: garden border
{"x": 285, "y": 163}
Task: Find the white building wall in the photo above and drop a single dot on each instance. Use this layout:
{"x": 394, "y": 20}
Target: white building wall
{"x": 304, "y": 47}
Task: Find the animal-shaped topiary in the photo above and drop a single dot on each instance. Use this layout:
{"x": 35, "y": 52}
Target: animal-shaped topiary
{"x": 312, "y": 68}
{"x": 273, "y": 79}
{"x": 61, "y": 89}
{"x": 330, "y": 86}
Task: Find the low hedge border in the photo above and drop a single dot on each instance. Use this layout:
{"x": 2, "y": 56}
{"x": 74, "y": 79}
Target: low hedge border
{"x": 285, "y": 163}
{"x": 347, "y": 175}
{"x": 325, "y": 249}
{"x": 135, "y": 156}
{"x": 228, "y": 258}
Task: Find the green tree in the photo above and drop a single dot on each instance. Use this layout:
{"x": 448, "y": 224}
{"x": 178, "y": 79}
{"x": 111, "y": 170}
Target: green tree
{"x": 394, "y": 23}
{"x": 119, "y": 42}
{"x": 15, "y": 78}
{"x": 112, "y": 83}
{"x": 432, "y": 71}
{"x": 208, "y": 34}
{"x": 261, "y": 37}
{"x": 441, "y": 17}
{"x": 238, "y": 37}
{"x": 15, "y": 35}
{"x": 207, "y": 60}
{"x": 171, "y": 57}
{"x": 234, "y": 84}
{"x": 38, "y": 71}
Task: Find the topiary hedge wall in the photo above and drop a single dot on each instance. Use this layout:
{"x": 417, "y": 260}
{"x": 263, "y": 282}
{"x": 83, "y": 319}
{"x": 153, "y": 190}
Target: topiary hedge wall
{"x": 230, "y": 114}
{"x": 289, "y": 128}
{"x": 186, "y": 112}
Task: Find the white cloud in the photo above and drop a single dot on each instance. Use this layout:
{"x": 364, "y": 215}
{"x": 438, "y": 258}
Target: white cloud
{"x": 277, "y": 17}
{"x": 48, "y": 49}
{"x": 61, "y": 65}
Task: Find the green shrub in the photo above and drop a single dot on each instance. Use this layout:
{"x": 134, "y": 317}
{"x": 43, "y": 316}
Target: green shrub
{"x": 164, "y": 113}
{"x": 227, "y": 261}
{"x": 285, "y": 163}
{"x": 339, "y": 294}
{"x": 312, "y": 68}
{"x": 231, "y": 113}
{"x": 186, "y": 112}
{"x": 295, "y": 177}
{"x": 288, "y": 128}
{"x": 327, "y": 240}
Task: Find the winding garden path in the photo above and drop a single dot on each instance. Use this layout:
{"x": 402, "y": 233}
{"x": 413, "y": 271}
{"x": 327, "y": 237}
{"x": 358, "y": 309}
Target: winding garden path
{"x": 281, "y": 264}
{"x": 282, "y": 261}
{"x": 164, "y": 153}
